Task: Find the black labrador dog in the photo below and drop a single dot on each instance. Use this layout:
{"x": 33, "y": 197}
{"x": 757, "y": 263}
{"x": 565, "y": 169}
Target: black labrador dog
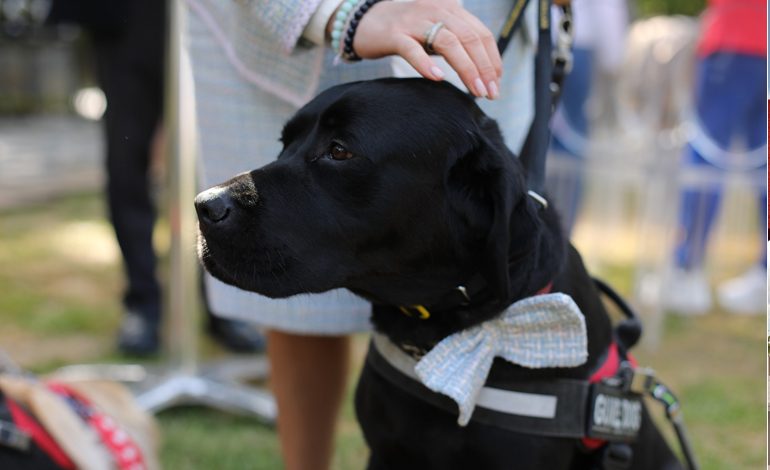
{"x": 401, "y": 190}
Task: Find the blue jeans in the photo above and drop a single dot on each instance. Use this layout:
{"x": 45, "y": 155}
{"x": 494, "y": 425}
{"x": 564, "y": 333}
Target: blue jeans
{"x": 730, "y": 104}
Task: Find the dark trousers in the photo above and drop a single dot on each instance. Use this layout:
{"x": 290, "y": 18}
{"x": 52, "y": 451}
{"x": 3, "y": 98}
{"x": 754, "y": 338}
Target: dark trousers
{"x": 130, "y": 69}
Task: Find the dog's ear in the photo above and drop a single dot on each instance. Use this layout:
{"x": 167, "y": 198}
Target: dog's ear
{"x": 483, "y": 185}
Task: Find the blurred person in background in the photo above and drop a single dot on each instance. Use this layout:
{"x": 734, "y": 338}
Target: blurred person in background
{"x": 729, "y": 112}
{"x": 128, "y": 39}
{"x": 600, "y": 29}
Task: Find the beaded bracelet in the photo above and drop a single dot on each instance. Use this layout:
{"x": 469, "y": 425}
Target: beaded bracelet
{"x": 340, "y": 20}
{"x": 347, "y": 53}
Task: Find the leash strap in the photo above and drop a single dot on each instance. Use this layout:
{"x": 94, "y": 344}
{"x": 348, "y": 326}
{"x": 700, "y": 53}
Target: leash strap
{"x": 536, "y": 145}
{"x": 511, "y": 24}
{"x": 644, "y": 381}
{"x": 551, "y": 68}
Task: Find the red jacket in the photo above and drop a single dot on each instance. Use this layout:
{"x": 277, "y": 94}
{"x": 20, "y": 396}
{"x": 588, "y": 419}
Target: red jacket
{"x": 734, "y": 26}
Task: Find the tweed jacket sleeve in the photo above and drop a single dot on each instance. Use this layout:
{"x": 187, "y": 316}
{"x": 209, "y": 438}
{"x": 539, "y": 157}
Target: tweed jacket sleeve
{"x": 281, "y": 20}
{"x": 261, "y": 40}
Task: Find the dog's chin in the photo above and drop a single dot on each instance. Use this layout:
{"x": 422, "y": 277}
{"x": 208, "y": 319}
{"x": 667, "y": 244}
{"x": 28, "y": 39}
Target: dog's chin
{"x": 217, "y": 272}
{"x": 272, "y": 288}
{"x": 273, "y": 283}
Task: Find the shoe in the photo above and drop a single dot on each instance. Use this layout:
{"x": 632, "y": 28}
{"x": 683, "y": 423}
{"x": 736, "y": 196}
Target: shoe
{"x": 686, "y": 292}
{"x": 237, "y": 336}
{"x": 138, "y": 336}
{"x": 745, "y": 294}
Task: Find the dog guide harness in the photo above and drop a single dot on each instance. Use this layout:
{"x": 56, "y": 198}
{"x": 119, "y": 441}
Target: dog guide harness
{"x": 603, "y": 412}
{"x": 544, "y": 408}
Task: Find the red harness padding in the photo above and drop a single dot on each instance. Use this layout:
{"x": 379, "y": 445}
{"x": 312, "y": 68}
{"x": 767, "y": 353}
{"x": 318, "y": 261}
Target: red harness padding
{"x": 39, "y": 435}
{"x": 608, "y": 369}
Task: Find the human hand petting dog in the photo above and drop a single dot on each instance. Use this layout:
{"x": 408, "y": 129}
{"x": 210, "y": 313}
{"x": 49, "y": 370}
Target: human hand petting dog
{"x": 414, "y": 29}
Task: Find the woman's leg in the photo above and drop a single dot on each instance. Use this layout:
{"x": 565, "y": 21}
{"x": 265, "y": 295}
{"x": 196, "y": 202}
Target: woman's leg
{"x": 308, "y": 376}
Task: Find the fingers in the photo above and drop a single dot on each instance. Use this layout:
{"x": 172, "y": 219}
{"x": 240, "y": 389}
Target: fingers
{"x": 470, "y": 49}
{"x": 467, "y": 45}
{"x": 414, "y": 53}
{"x": 489, "y": 40}
{"x": 453, "y": 50}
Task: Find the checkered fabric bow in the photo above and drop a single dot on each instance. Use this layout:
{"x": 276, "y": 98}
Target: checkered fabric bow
{"x": 537, "y": 332}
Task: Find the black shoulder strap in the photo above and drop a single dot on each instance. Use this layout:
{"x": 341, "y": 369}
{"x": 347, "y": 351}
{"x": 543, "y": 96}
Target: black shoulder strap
{"x": 550, "y": 71}
{"x": 535, "y": 147}
{"x": 570, "y": 397}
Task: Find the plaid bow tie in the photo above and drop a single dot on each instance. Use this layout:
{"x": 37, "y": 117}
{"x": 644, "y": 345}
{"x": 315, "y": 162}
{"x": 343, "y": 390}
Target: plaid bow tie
{"x": 537, "y": 332}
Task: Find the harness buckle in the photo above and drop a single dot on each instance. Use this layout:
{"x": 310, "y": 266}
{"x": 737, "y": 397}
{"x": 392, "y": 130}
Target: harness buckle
{"x": 642, "y": 380}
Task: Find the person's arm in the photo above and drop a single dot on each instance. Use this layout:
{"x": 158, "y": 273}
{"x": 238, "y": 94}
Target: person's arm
{"x": 319, "y": 27}
{"x": 283, "y": 20}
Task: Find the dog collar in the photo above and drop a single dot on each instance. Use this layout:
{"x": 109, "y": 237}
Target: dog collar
{"x": 423, "y": 313}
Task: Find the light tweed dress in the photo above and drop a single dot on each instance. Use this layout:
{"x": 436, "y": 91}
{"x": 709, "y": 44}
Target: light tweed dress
{"x": 249, "y": 81}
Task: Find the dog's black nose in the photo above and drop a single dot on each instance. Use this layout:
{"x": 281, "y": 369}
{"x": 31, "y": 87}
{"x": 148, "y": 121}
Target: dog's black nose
{"x": 213, "y": 206}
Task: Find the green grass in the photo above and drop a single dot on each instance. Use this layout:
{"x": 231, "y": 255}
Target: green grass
{"x": 60, "y": 285}
{"x": 202, "y": 438}
{"x": 715, "y": 364}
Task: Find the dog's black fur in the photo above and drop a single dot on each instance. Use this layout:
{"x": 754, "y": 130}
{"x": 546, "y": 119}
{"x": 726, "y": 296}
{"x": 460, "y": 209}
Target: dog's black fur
{"x": 400, "y": 190}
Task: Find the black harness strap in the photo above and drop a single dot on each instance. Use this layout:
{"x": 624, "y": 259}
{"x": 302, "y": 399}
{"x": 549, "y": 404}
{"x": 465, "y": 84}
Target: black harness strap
{"x": 511, "y": 24}
{"x": 550, "y": 72}
{"x": 535, "y": 148}
{"x": 608, "y": 410}
{"x": 566, "y": 422}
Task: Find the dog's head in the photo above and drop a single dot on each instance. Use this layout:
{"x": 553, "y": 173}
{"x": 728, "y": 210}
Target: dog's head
{"x": 396, "y": 189}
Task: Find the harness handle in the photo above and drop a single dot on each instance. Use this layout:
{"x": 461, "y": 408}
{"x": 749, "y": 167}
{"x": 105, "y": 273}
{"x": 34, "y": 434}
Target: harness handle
{"x": 628, "y": 331}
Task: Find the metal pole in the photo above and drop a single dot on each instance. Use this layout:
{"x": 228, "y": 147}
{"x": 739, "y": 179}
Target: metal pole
{"x": 183, "y": 304}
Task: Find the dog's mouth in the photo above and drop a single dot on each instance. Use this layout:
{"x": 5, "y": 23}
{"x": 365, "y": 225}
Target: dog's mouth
{"x": 209, "y": 262}
{"x": 270, "y": 274}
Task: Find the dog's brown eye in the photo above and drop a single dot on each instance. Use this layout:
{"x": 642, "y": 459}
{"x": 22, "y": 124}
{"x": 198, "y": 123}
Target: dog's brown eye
{"x": 338, "y": 152}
